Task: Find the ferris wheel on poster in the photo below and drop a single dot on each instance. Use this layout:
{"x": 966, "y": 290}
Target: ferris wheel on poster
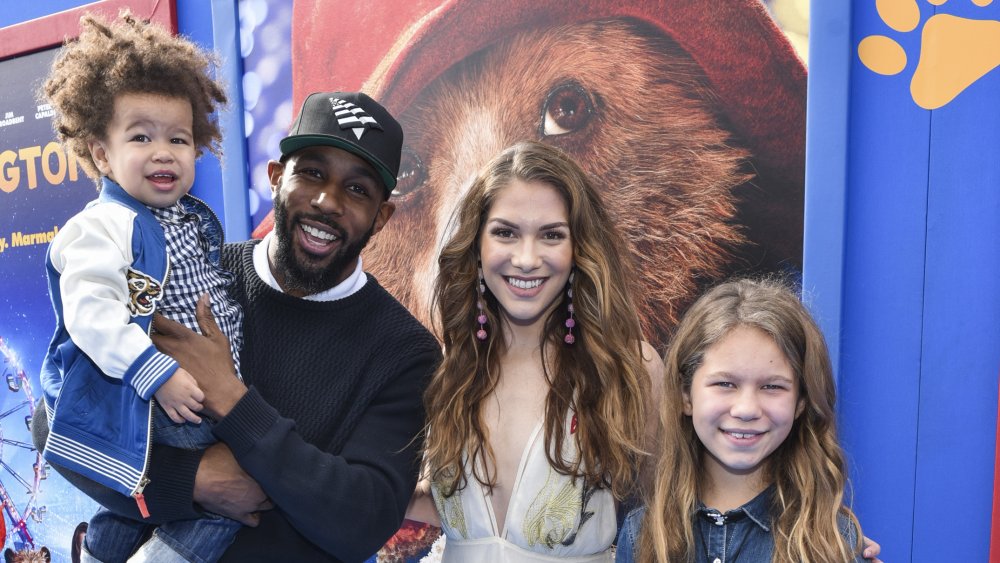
{"x": 18, "y": 411}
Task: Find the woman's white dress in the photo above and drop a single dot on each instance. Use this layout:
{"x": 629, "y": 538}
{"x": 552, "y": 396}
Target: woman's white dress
{"x": 550, "y": 518}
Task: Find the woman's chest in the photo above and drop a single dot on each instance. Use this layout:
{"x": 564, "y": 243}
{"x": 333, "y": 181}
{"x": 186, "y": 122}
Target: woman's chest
{"x": 511, "y": 415}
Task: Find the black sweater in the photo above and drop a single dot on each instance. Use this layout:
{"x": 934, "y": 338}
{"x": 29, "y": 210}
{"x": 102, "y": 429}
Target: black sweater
{"x": 328, "y": 428}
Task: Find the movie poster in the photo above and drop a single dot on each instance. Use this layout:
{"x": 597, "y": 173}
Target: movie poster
{"x": 40, "y": 187}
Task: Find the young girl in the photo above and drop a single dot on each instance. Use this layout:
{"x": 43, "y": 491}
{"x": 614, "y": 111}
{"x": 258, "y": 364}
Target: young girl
{"x": 750, "y": 448}
{"x": 536, "y": 417}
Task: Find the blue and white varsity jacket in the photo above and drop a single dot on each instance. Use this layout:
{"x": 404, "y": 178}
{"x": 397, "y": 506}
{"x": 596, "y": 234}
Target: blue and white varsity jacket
{"x": 107, "y": 269}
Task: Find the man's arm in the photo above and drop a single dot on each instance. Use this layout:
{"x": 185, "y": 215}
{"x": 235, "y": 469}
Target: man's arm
{"x": 222, "y": 487}
{"x": 347, "y": 504}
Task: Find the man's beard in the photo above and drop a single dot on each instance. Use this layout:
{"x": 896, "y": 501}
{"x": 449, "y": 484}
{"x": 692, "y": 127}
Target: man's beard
{"x": 306, "y": 277}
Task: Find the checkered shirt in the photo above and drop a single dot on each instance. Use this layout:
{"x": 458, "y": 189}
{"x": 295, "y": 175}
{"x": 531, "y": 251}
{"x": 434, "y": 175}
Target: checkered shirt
{"x": 192, "y": 274}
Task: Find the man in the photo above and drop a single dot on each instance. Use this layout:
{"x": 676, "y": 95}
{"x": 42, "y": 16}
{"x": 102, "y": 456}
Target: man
{"x": 327, "y": 418}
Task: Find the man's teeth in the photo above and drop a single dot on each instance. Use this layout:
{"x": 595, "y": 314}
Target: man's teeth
{"x": 313, "y": 231}
{"x": 524, "y": 284}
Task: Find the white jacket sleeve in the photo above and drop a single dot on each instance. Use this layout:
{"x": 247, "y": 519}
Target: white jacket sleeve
{"x": 93, "y": 253}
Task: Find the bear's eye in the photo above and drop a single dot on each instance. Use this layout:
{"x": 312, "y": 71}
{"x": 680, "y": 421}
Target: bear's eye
{"x": 567, "y": 109}
{"x": 412, "y": 174}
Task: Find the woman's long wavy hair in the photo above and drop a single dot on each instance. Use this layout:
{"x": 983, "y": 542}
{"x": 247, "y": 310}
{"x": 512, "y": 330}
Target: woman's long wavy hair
{"x": 601, "y": 377}
{"x": 807, "y": 469}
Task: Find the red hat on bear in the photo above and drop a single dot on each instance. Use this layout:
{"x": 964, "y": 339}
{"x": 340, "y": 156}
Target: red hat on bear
{"x": 369, "y": 46}
{"x": 391, "y": 50}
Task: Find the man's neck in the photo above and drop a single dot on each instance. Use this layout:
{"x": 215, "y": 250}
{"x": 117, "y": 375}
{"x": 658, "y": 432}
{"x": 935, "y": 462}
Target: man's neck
{"x": 264, "y": 264}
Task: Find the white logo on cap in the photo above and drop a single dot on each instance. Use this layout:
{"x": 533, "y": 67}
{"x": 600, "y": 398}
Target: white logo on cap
{"x": 350, "y": 116}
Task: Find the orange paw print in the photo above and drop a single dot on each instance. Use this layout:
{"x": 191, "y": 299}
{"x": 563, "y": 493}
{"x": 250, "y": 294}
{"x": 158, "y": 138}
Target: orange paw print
{"x": 954, "y": 52}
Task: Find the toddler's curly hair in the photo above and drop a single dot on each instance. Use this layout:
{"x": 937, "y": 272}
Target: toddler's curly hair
{"x": 128, "y": 56}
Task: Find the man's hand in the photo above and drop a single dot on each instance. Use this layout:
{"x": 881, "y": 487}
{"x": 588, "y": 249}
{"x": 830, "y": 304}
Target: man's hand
{"x": 222, "y": 487}
{"x": 871, "y": 550}
{"x": 180, "y": 397}
{"x": 205, "y": 356}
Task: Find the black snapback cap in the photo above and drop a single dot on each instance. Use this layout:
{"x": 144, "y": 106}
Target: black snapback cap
{"x": 351, "y": 121}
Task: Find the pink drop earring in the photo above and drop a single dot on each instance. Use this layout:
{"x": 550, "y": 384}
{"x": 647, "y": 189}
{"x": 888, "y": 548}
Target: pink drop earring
{"x": 570, "y": 322}
{"x": 481, "y": 318}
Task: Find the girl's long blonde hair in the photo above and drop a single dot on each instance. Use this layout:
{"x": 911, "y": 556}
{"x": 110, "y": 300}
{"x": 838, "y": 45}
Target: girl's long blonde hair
{"x": 601, "y": 377}
{"x": 807, "y": 469}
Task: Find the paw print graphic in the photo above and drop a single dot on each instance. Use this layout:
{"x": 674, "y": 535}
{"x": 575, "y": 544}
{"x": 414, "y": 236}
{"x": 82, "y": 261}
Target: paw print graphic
{"x": 955, "y": 51}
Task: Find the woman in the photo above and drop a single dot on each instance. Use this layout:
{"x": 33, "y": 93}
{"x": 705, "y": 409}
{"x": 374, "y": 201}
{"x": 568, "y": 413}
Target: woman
{"x": 537, "y": 417}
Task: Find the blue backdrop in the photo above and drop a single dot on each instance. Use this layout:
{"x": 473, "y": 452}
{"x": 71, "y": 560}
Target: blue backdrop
{"x": 902, "y": 231}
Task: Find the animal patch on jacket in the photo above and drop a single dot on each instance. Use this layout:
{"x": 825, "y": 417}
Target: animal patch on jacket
{"x": 144, "y": 291}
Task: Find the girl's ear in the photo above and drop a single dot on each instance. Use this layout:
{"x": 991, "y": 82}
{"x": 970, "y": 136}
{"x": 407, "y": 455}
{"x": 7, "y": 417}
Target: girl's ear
{"x": 800, "y": 406}
{"x": 688, "y": 410}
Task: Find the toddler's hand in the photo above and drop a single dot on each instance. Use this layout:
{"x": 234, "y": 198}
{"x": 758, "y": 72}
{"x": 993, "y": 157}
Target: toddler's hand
{"x": 181, "y": 397}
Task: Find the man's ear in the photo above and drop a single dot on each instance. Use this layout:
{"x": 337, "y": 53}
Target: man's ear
{"x": 274, "y": 171}
{"x": 385, "y": 211}
{"x": 99, "y": 153}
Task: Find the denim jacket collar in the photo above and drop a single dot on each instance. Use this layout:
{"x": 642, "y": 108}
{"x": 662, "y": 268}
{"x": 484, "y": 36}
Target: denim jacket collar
{"x": 756, "y": 510}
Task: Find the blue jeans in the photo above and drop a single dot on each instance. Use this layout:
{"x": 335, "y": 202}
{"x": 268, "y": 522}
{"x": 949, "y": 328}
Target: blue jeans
{"x": 187, "y": 436}
{"x": 112, "y": 538}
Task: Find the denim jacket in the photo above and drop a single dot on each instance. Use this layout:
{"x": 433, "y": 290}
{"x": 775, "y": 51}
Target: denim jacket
{"x": 742, "y": 534}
